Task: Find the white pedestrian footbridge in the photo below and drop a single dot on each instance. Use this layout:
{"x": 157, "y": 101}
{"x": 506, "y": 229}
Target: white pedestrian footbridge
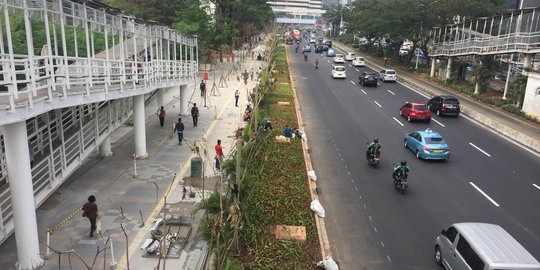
{"x": 80, "y": 70}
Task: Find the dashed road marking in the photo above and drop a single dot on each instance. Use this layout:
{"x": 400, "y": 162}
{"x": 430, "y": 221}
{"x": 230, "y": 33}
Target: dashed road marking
{"x": 398, "y": 122}
{"x": 485, "y": 195}
{"x": 388, "y": 257}
{"x": 357, "y": 70}
{"x": 353, "y": 82}
{"x": 363, "y": 91}
{"x": 377, "y": 104}
{"x": 435, "y": 120}
{"x": 536, "y": 186}
{"x": 356, "y": 188}
{"x": 375, "y": 229}
{"x": 391, "y": 92}
{"x": 478, "y": 148}
{"x": 382, "y": 244}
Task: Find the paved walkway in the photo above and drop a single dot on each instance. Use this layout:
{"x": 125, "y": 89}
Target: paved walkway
{"x": 132, "y": 198}
{"x": 511, "y": 127}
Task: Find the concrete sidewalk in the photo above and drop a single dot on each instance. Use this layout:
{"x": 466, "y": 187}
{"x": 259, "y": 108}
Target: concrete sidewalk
{"x": 130, "y": 199}
{"x": 509, "y": 126}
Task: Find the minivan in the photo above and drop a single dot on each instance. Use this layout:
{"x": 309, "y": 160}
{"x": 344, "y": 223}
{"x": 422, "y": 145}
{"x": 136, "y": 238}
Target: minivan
{"x": 444, "y": 105}
{"x": 481, "y": 246}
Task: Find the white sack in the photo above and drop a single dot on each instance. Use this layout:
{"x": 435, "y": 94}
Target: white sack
{"x": 317, "y": 208}
{"x": 312, "y": 175}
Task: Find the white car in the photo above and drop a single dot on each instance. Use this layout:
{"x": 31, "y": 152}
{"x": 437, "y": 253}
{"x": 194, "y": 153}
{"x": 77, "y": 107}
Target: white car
{"x": 350, "y": 56}
{"x": 388, "y": 75}
{"x": 339, "y": 58}
{"x": 338, "y": 72}
{"x": 403, "y": 51}
{"x": 358, "y": 62}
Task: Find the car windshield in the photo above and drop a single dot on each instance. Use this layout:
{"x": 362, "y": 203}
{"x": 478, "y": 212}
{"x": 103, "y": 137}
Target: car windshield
{"x": 390, "y": 72}
{"x": 434, "y": 140}
{"x": 339, "y": 68}
{"x": 421, "y": 107}
{"x": 451, "y": 101}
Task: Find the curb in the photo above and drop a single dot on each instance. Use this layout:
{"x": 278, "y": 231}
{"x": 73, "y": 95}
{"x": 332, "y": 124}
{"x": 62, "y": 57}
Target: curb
{"x": 513, "y": 135}
{"x": 319, "y": 222}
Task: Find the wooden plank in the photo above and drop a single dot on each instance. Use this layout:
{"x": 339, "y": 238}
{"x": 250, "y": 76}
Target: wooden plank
{"x": 290, "y": 232}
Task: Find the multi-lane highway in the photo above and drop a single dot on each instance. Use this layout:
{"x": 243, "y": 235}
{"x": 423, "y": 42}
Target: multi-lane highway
{"x": 370, "y": 225}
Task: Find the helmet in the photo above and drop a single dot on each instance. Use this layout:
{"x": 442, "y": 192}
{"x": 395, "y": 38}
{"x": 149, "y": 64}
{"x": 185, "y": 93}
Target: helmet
{"x": 403, "y": 163}
{"x": 376, "y": 140}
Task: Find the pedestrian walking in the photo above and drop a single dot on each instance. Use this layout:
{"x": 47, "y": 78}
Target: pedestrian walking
{"x": 252, "y": 55}
{"x": 90, "y": 210}
{"x": 246, "y": 76}
{"x": 219, "y": 154}
{"x": 195, "y": 114}
{"x": 236, "y": 97}
{"x": 385, "y": 61}
{"x": 251, "y": 74}
{"x": 161, "y": 115}
{"x": 179, "y": 129}
{"x": 203, "y": 88}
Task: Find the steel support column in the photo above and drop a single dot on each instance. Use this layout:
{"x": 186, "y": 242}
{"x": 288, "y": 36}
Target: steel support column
{"x": 139, "y": 126}
{"x": 22, "y": 196}
{"x": 184, "y": 100}
{"x": 432, "y": 71}
{"x": 449, "y": 68}
{"x": 160, "y": 97}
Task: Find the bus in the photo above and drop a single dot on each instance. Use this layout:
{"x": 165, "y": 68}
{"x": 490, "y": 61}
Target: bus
{"x": 296, "y": 34}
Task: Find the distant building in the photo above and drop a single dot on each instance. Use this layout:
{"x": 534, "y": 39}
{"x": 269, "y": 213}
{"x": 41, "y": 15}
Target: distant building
{"x": 297, "y": 11}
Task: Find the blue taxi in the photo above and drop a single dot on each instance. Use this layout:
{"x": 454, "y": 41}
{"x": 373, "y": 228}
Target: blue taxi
{"x": 307, "y": 48}
{"x": 427, "y": 144}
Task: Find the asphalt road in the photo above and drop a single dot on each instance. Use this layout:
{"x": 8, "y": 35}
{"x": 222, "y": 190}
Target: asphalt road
{"x": 370, "y": 225}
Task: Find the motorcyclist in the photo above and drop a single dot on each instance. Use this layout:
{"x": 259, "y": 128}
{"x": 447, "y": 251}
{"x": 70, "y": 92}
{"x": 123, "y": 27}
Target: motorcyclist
{"x": 400, "y": 171}
{"x": 316, "y": 63}
{"x": 373, "y": 148}
{"x": 296, "y": 49}
{"x": 305, "y": 56}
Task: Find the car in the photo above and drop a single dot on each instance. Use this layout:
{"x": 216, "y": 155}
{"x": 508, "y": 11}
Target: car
{"x": 307, "y": 48}
{"x": 339, "y": 72}
{"x": 415, "y": 111}
{"x": 339, "y": 58}
{"x": 324, "y": 47}
{"x": 427, "y": 144}
{"x": 358, "y": 62}
{"x": 312, "y": 40}
{"x": 444, "y": 105}
{"x": 388, "y": 75}
{"x": 368, "y": 78}
{"x": 330, "y": 52}
{"x": 403, "y": 51}
{"x": 319, "y": 49}
{"x": 329, "y": 43}
{"x": 289, "y": 41}
{"x": 349, "y": 56}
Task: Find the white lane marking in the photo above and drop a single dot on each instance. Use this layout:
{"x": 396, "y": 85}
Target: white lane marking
{"x": 485, "y": 195}
{"x": 356, "y": 188}
{"x": 360, "y": 197}
{"x": 375, "y": 229}
{"x": 370, "y": 219}
{"x": 435, "y": 120}
{"x": 382, "y": 244}
{"x": 377, "y": 104}
{"x": 357, "y": 70}
{"x": 391, "y": 92}
{"x": 388, "y": 257}
{"x": 349, "y": 172}
{"x": 363, "y": 91}
{"x": 398, "y": 121}
{"x": 353, "y": 82}
{"x": 478, "y": 148}
{"x": 536, "y": 186}
{"x": 350, "y": 65}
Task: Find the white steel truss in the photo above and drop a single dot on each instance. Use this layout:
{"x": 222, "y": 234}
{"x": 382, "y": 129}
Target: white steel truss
{"x": 517, "y": 32}
{"x": 120, "y": 57}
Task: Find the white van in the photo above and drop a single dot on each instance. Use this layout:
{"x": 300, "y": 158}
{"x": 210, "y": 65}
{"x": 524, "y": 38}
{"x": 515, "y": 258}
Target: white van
{"x": 481, "y": 246}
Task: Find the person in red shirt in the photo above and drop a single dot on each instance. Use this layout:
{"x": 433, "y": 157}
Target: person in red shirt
{"x": 219, "y": 154}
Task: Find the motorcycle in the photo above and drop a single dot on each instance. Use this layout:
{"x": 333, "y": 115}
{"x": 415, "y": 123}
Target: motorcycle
{"x": 316, "y": 66}
{"x": 296, "y": 49}
{"x": 305, "y": 57}
{"x": 374, "y": 159}
{"x": 400, "y": 184}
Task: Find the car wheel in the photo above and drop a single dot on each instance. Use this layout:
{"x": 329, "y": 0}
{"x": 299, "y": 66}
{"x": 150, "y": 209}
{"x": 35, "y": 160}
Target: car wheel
{"x": 409, "y": 118}
{"x": 405, "y": 144}
{"x": 428, "y": 120}
{"x": 418, "y": 154}
{"x": 438, "y": 255}
{"x": 400, "y": 113}
{"x": 438, "y": 112}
